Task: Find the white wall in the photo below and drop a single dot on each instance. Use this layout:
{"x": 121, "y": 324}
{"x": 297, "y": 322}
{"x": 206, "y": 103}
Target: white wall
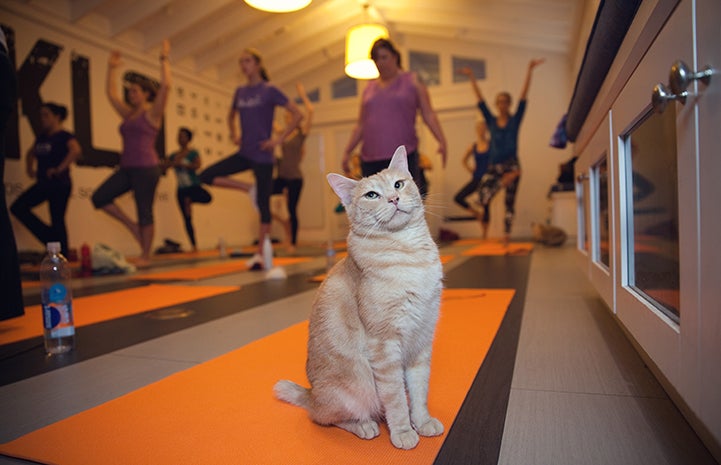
{"x": 231, "y": 215}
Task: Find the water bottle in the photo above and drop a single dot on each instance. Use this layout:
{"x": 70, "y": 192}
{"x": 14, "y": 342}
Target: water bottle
{"x": 267, "y": 253}
{"x": 57, "y": 302}
{"x": 86, "y": 263}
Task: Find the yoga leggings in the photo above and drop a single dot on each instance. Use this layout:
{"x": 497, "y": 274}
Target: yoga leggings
{"x": 57, "y": 196}
{"x": 186, "y": 197}
{"x": 460, "y": 198}
{"x": 491, "y": 183}
{"x": 141, "y": 180}
{"x": 369, "y": 168}
{"x": 294, "y": 187}
{"x": 263, "y": 179}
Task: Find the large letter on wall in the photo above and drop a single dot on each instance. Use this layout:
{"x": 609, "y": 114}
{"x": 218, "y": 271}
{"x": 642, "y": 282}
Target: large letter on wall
{"x": 81, "y": 113}
{"x": 31, "y": 75}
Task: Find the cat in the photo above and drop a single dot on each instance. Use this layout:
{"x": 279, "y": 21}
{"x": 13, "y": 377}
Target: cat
{"x": 373, "y": 320}
{"x": 548, "y": 234}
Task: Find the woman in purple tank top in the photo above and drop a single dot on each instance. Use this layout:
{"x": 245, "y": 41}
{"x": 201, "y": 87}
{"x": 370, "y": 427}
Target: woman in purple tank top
{"x": 388, "y": 114}
{"x": 139, "y": 169}
{"x": 250, "y": 122}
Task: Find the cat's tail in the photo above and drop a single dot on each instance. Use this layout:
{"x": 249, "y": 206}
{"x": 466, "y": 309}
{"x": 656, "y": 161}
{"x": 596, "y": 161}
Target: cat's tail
{"x": 290, "y": 392}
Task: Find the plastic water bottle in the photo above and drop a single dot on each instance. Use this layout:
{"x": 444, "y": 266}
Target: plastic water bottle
{"x": 86, "y": 263}
{"x": 57, "y": 302}
{"x": 267, "y": 253}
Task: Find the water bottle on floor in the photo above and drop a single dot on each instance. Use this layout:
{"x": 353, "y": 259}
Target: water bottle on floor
{"x": 267, "y": 253}
{"x": 57, "y": 302}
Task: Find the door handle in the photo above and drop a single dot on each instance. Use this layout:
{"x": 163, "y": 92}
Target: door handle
{"x": 661, "y": 96}
{"x": 679, "y": 78}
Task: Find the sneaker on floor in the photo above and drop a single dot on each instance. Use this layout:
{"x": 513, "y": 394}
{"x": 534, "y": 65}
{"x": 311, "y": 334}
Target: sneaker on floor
{"x": 255, "y": 263}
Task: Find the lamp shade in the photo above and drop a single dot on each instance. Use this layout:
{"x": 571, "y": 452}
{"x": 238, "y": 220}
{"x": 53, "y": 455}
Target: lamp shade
{"x": 278, "y": 6}
{"x": 358, "y": 43}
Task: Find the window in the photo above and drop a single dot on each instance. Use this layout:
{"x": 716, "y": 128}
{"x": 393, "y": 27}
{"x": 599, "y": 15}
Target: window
{"x": 427, "y": 66}
{"x": 602, "y": 222}
{"x": 652, "y": 206}
{"x": 313, "y": 96}
{"x": 344, "y": 87}
{"x": 478, "y": 67}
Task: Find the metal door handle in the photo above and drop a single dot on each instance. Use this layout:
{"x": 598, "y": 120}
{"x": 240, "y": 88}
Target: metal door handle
{"x": 681, "y": 76}
{"x": 679, "y": 79}
{"x": 661, "y": 96}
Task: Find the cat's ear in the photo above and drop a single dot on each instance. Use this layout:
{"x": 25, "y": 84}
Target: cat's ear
{"x": 342, "y": 186}
{"x": 400, "y": 160}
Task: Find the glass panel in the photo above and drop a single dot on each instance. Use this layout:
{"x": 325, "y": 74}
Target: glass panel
{"x": 428, "y": 67}
{"x": 583, "y": 206}
{"x": 344, "y": 87}
{"x": 602, "y": 250}
{"x": 653, "y": 206}
{"x": 478, "y": 67}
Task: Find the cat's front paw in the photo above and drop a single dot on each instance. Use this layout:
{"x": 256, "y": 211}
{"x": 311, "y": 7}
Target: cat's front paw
{"x": 432, "y": 427}
{"x": 406, "y": 439}
{"x": 368, "y": 430}
{"x": 363, "y": 429}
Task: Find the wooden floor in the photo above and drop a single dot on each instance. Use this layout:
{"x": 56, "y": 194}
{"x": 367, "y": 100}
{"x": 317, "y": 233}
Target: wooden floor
{"x": 577, "y": 393}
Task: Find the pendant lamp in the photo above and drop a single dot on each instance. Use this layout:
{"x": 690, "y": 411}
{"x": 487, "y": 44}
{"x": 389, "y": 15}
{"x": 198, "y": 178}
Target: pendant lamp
{"x": 278, "y": 6}
{"x": 358, "y": 43}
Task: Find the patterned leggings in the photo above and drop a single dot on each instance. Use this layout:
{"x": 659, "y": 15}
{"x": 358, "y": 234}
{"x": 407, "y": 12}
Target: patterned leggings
{"x": 500, "y": 175}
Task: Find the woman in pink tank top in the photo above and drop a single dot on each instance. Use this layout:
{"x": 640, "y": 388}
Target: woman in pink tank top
{"x": 388, "y": 114}
{"x": 139, "y": 169}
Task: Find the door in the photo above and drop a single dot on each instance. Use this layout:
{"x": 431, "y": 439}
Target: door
{"x": 656, "y": 219}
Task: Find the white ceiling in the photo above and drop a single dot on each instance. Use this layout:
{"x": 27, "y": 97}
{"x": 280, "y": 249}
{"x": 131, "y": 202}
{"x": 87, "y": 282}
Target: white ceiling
{"x": 207, "y": 36}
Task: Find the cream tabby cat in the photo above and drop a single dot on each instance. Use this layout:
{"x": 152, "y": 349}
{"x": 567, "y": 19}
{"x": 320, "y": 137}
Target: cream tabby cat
{"x": 373, "y": 319}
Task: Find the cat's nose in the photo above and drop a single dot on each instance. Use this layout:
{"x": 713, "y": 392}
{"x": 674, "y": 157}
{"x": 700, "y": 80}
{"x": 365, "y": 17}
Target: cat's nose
{"x": 393, "y": 200}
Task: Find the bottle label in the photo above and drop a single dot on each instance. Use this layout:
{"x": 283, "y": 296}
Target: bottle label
{"x": 57, "y": 317}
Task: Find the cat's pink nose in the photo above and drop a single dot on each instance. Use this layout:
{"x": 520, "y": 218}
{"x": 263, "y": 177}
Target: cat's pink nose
{"x": 393, "y": 200}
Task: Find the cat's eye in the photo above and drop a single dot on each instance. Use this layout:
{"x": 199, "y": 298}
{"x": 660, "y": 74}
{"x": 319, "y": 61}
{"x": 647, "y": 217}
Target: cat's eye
{"x": 399, "y": 184}
{"x": 372, "y": 195}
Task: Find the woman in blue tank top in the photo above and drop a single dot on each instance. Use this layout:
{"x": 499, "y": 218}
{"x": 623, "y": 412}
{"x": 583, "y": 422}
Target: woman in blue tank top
{"x": 478, "y": 152}
{"x": 504, "y": 170}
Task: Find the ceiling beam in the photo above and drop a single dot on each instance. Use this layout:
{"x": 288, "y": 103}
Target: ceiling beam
{"x": 274, "y": 29}
{"x": 129, "y": 17}
{"x": 180, "y": 19}
{"x": 80, "y": 8}
{"x": 216, "y": 30}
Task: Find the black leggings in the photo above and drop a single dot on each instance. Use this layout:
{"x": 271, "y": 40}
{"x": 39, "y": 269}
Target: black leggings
{"x": 141, "y": 180}
{"x": 369, "y": 168}
{"x": 57, "y": 196}
{"x": 186, "y": 197}
{"x": 294, "y": 187}
{"x": 236, "y": 163}
{"x": 491, "y": 184}
{"x": 465, "y": 191}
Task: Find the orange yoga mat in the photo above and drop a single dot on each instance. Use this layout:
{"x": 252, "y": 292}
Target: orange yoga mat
{"x": 223, "y": 411}
{"x": 497, "y": 248}
{"x": 102, "y": 307}
{"x": 211, "y": 271}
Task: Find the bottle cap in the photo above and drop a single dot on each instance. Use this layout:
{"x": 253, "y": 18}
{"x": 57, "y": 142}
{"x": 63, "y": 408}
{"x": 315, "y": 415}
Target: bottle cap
{"x": 53, "y": 247}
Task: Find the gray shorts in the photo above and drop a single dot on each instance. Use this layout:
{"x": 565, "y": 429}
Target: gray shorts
{"x": 142, "y": 181}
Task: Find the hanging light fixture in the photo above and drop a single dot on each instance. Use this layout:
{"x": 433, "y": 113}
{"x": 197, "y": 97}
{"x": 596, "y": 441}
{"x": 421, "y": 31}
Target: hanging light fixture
{"x": 358, "y": 43}
{"x": 278, "y": 6}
